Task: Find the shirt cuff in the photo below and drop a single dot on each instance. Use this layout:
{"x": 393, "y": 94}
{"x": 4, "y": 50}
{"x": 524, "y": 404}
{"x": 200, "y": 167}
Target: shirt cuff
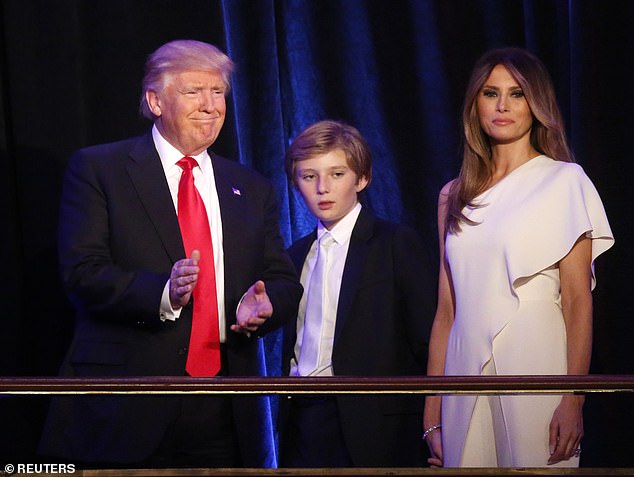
{"x": 166, "y": 312}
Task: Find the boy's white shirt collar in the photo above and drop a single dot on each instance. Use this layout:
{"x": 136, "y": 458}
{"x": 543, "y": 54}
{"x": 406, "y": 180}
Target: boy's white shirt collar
{"x": 342, "y": 231}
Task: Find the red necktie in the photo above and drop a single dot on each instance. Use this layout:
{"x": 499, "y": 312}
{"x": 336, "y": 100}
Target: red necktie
{"x": 203, "y": 358}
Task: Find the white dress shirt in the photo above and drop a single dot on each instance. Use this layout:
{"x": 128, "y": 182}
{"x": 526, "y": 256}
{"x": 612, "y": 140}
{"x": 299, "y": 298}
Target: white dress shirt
{"x": 206, "y": 185}
{"x": 341, "y": 234}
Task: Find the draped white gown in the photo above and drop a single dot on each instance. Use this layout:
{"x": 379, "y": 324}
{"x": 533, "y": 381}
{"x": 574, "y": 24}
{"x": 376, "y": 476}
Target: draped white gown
{"x": 508, "y": 308}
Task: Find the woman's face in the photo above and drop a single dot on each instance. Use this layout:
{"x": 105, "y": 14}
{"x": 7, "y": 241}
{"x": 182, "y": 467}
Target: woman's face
{"x": 503, "y": 110}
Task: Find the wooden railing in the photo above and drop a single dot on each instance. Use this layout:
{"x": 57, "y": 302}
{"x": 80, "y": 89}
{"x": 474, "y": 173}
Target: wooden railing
{"x": 423, "y": 385}
{"x": 330, "y": 385}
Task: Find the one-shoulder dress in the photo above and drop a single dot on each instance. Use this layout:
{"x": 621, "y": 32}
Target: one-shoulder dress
{"x": 508, "y": 316}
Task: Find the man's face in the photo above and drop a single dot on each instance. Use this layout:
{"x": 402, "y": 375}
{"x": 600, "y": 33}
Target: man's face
{"x": 190, "y": 109}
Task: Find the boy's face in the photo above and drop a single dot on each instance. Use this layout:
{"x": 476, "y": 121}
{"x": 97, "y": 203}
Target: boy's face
{"x": 329, "y": 187}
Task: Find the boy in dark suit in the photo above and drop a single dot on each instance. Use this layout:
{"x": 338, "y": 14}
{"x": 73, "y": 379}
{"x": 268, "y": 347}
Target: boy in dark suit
{"x": 366, "y": 311}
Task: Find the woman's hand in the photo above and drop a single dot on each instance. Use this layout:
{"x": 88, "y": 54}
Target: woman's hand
{"x": 566, "y": 429}
{"x": 434, "y": 442}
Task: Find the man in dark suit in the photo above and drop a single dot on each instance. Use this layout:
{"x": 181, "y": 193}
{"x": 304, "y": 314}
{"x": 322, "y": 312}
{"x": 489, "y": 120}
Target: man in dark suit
{"x": 135, "y": 275}
{"x": 369, "y": 316}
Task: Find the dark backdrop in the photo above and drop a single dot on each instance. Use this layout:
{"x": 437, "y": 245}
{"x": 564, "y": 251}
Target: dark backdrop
{"x": 70, "y": 72}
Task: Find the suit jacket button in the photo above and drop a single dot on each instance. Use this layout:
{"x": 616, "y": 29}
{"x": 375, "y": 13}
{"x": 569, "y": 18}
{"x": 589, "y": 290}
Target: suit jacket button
{"x": 182, "y": 351}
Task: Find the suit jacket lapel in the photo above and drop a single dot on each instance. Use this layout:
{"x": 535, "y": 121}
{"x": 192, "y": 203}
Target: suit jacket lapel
{"x": 299, "y": 251}
{"x": 352, "y": 272}
{"x": 353, "y": 269}
{"x": 148, "y": 178}
{"x": 231, "y": 202}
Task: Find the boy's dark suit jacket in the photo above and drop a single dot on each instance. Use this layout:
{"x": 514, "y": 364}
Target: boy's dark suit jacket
{"x": 119, "y": 237}
{"x": 382, "y": 329}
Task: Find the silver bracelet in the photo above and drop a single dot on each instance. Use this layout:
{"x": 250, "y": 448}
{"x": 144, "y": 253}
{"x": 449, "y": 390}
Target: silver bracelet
{"x": 430, "y": 430}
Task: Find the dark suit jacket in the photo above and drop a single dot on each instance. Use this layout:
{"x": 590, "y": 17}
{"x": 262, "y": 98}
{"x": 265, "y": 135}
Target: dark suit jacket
{"x": 118, "y": 239}
{"x": 382, "y": 328}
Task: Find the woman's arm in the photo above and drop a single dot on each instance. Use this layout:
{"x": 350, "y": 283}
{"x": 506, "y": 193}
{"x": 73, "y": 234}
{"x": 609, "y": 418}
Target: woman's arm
{"x": 566, "y": 427}
{"x": 441, "y": 327}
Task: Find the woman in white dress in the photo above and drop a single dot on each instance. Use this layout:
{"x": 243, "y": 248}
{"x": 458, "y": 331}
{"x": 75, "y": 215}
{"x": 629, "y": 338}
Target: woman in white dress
{"x": 519, "y": 230}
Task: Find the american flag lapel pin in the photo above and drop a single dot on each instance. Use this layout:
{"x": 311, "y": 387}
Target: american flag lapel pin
{"x": 236, "y": 191}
